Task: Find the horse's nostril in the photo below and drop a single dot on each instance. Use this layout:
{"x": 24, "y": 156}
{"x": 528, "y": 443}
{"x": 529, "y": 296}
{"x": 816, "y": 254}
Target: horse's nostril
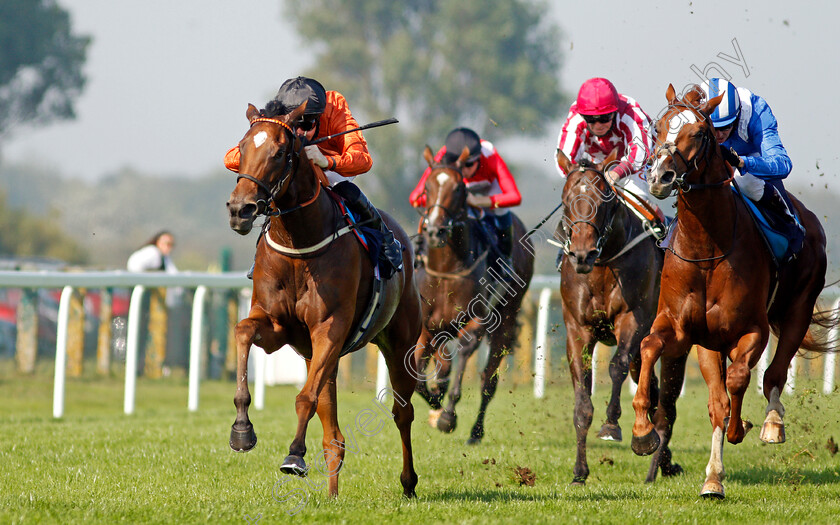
{"x": 668, "y": 177}
{"x": 247, "y": 211}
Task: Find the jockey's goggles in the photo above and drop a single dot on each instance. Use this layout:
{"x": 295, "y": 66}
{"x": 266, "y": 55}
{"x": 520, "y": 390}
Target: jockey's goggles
{"x": 726, "y": 127}
{"x": 306, "y": 124}
{"x": 601, "y": 119}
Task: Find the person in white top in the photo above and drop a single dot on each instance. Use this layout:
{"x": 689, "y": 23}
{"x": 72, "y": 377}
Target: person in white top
{"x": 154, "y": 255}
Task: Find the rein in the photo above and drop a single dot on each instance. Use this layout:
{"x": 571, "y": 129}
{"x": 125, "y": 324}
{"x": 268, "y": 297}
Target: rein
{"x": 670, "y": 148}
{"x": 603, "y": 235}
{"x": 264, "y": 206}
{"x": 452, "y": 220}
{"x": 683, "y": 187}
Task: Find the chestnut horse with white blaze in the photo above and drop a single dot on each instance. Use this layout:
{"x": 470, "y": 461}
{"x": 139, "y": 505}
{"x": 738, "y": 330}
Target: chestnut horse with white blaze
{"x": 720, "y": 288}
{"x": 312, "y": 286}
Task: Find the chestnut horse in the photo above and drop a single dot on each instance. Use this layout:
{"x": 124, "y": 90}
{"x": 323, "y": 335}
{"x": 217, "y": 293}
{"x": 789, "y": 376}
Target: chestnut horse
{"x": 720, "y": 289}
{"x": 312, "y": 285}
{"x": 610, "y": 286}
{"x": 464, "y": 294}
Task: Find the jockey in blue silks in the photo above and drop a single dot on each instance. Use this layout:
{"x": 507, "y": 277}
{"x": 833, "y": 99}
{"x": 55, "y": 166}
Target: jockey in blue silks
{"x": 747, "y": 132}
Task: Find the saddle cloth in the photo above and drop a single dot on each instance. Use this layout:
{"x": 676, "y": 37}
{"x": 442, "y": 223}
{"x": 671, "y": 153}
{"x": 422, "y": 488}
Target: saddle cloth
{"x": 780, "y": 239}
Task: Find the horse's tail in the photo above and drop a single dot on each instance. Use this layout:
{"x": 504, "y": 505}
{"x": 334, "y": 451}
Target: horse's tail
{"x": 823, "y": 335}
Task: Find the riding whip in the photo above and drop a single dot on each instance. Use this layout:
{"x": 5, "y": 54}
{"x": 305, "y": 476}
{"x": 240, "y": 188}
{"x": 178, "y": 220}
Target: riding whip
{"x": 376, "y": 124}
{"x": 537, "y": 227}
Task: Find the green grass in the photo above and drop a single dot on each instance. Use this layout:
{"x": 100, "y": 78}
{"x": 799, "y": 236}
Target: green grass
{"x": 166, "y": 465}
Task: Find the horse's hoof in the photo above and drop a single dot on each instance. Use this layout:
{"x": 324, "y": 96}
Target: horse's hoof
{"x": 645, "y": 445}
{"x": 747, "y": 426}
{"x": 243, "y": 440}
{"x": 434, "y": 416}
{"x": 294, "y": 465}
{"x": 447, "y": 422}
{"x": 674, "y": 469}
{"x": 773, "y": 429}
{"x": 712, "y": 490}
{"x": 578, "y": 482}
{"x": 610, "y": 432}
{"x": 474, "y": 441}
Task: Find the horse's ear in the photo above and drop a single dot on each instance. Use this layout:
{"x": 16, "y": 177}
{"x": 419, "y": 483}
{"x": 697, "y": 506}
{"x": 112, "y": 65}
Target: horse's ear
{"x": 429, "y": 156}
{"x": 297, "y": 112}
{"x": 563, "y": 161}
{"x": 252, "y": 112}
{"x": 708, "y": 107}
{"x": 462, "y": 158}
{"x": 671, "y": 95}
{"x": 610, "y": 160}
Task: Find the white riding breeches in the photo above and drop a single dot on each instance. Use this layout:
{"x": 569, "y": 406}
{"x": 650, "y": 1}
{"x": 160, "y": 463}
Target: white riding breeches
{"x": 750, "y": 185}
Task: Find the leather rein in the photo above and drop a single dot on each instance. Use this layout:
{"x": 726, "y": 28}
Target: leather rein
{"x": 268, "y": 206}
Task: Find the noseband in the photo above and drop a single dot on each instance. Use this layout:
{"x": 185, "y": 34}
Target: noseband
{"x": 264, "y": 205}
{"x": 670, "y": 149}
{"x": 603, "y": 234}
{"x": 452, "y": 218}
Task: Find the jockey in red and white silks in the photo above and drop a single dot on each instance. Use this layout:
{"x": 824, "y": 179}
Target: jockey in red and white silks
{"x": 601, "y": 120}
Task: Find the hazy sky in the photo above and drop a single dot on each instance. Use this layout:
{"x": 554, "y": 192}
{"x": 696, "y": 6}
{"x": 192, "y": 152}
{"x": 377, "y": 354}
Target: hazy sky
{"x": 169, "y": 80}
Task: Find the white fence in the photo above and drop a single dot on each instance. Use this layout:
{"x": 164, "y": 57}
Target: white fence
{"x": 548, "y": 285}
{"x": 542, "y": 288}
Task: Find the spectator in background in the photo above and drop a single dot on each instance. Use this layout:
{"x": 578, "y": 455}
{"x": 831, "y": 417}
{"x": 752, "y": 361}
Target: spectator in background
{"x": 154, "y": 256}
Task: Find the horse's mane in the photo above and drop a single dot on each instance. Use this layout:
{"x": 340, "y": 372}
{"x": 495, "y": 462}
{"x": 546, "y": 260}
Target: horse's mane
{"x": 273, "y": 108}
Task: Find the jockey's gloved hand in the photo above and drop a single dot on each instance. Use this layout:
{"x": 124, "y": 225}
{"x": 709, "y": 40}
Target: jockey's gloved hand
{"x": 479, "y": 201}
{"x": 315, "y": 155}
{"x": 730, "y": 157}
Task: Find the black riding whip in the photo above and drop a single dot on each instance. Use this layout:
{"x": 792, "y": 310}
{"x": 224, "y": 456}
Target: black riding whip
{"x": 537, "y": 227}
{"x": 376, "y": 124}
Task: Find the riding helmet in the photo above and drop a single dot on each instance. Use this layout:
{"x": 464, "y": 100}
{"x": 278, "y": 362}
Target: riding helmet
{"x": 459, "y": 138}
{"x": 296, "y": 91}
{"x": 730, "y": 106}
{"x": 597, "y": 96}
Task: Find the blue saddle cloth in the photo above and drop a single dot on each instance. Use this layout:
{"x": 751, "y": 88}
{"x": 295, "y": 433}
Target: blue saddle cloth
{"x": 371, "y": 239}
{"x": 778, "y": 242}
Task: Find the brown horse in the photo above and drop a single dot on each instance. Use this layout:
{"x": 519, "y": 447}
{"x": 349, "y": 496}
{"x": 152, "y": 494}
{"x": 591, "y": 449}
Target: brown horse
{"x": 465, "y": 296}
{"x": 610, "y": 286}
{"x": 312, "y": 284}
{"x": 718, "y": 285}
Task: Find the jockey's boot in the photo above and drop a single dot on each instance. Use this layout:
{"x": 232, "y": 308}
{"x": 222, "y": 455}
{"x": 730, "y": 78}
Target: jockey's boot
{"x": 359, "y": 204}
{"x": 772, "y": 199}
{"x": 419, "y": 250}
{"x": 659, "y": 228}
{"x": 505, "y": 224}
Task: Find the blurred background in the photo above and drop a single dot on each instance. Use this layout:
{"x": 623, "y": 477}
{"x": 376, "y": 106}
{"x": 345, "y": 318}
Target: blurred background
{"x": 114, "y": 116}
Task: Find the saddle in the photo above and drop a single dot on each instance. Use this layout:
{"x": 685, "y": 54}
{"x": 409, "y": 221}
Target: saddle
{"x": 371, "y": 241}
{"x": 783, "y": 238}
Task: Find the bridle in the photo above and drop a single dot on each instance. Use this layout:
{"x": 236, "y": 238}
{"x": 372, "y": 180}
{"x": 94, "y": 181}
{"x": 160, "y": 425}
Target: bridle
{"x": 684, "y": 187}
{"x": 603, "y": 232}
{"x": 452, "y": 218}
{"x": 292, "y": 158}
{"x": 670, "y": 149}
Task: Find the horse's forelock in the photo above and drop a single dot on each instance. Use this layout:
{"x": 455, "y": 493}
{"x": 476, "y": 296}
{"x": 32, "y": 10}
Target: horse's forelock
{"x": 694, "y": 96}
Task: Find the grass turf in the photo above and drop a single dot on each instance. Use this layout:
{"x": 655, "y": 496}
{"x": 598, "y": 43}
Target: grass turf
{"x": 166, "y": 465}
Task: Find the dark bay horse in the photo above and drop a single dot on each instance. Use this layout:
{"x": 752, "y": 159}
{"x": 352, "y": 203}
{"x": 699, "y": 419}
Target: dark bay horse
{"x": 465, "y": 295}
{"x": 719, "y": 289}
{"x": 610, "y": 287}
{"x": 312, "y": 284}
